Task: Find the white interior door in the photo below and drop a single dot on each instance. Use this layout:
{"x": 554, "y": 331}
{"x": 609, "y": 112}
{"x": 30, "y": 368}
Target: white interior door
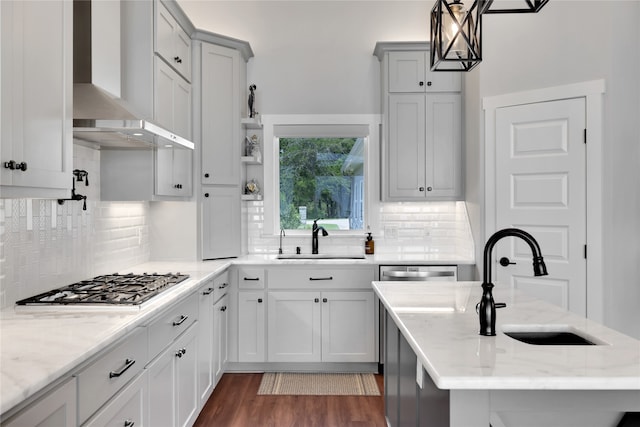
{"x": 541, "y": 188}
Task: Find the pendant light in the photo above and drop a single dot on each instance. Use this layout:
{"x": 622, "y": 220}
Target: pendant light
{"x": 512, "y": 6}
{"x": 455, "y": 35}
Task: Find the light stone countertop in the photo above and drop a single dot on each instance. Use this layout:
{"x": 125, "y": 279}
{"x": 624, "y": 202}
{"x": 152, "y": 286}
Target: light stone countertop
{"x": 439, "y": 321}
{"x": 40, "y": 346}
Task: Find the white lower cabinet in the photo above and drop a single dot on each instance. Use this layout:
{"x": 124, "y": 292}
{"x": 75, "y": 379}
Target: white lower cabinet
{"x": 127, "y": 409}
{"x": 251, "y": 326}
{"x": 321, "y": 326}
{"x": 206, "y": 345}
{"x": 220, "y": 336}
{"x": 55, "y": 409}
{"x": 173, "y": 394}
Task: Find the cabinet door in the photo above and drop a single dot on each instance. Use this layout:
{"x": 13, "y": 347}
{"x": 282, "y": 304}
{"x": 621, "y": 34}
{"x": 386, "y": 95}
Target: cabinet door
{"x": 172, "y": 42}
{"x": 205, "y": 341}
{"x": 251, "y": 326}
{"x": 162, "y": 389}
{"x": 56, "y": 409}
{"x": 220, "y": 222}
{"x": 36, "y": 127}
{"x": 182, "y": 58}
{"x": 443, "y": 146}
{"x": 391, "y": 369}
{"x": 406, "y": 147}
{"x": 221, "y": 336}
{"x": 437, "y": 81}
{"x": 407, "y": 71}
{"x": 172, "y": 100}
{"x": 294, "y": 327}
{"x": 348, "y": 327}
{"x": 220, "y": 115}
{"x": 187, "y": 377}
{"x": 127, "y": 408}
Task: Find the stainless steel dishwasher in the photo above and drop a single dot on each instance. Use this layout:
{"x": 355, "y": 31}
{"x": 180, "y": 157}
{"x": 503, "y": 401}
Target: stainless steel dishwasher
{"x": 413, "y": 273}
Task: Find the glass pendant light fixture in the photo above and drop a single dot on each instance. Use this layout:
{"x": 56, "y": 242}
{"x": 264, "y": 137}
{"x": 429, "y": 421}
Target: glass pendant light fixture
{"x": 512, "y": 6}
{"x": 456, "y": 35}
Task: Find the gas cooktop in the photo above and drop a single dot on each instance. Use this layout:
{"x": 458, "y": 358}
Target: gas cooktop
{"x": 111, "y": 290}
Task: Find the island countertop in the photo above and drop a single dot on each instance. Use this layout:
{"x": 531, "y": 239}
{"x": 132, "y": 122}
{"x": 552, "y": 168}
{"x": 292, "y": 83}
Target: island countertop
{"x": 440, "y": 323}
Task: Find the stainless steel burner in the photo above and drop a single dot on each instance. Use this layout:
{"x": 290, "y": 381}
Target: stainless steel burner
{"x": 113, "y": 289}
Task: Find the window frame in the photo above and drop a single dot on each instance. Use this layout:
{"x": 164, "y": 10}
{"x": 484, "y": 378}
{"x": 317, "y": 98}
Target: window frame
{"x": 272, "y": 163}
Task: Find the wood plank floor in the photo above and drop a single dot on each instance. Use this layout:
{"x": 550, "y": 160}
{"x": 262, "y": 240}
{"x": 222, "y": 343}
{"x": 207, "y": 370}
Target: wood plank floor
{"x": 235, "y": 403}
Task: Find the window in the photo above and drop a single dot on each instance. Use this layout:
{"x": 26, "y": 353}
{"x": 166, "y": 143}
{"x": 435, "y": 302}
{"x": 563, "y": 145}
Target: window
{"x": 321, "y": 178}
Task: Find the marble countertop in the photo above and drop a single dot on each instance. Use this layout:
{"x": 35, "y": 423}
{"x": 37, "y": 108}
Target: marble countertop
{"x": 40, "y": 346}
{"x": 439, "y": 321}
{"x": 376, "y": 259}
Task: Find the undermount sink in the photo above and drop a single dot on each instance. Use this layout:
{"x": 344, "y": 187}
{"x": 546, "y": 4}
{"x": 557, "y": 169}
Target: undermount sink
{"x": 320, "y": 256}
{"x": 545, "y": 335}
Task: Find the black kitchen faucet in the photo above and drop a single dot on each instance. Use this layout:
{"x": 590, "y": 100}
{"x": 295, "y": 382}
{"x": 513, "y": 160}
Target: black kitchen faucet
{"x": 487, "y": 306}
{"x": 314, "y": 235}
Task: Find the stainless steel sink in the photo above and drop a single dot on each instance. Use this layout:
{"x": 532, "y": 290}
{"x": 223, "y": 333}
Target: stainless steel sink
{"x": 320, "y": 256}
{"x": 549, "y": 335}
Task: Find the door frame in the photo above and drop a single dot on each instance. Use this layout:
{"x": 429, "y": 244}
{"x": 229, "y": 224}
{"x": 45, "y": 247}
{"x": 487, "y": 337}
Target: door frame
{"x": 593, "y": 93}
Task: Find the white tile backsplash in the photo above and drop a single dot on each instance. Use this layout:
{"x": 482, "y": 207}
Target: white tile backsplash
{"x": 404, "y": 228}
{"x": 44, "y": 245}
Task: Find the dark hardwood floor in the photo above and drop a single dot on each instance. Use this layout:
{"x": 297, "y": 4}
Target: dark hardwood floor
{"x": 235, "y": 403}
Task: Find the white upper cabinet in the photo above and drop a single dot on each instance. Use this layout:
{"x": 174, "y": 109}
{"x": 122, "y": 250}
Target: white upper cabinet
{"x": 171, "y": 42}
{"x": 36, "y": 129}
{"x": 409, "y": 71}
{"x": 422, "y": 121}
{"x": 221, "y": 141}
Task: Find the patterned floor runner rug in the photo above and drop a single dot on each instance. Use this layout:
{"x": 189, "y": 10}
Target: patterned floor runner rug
{"x": 321, "y": 384}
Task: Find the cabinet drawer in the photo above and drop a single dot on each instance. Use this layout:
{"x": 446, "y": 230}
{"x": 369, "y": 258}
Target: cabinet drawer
{"x": 171, "y": 324}
{"x": 324, "y": 278}
{"x": 251, "y": 278}
{"x": 101, "y": 380}
{"x": 220, "y": 285}
{"x": 127, "y": 408}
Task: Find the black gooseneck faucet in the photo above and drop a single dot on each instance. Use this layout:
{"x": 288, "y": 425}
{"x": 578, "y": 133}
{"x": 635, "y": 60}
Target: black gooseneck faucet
{"x": 314, "y": 235}
{"x": 487, "y": 306}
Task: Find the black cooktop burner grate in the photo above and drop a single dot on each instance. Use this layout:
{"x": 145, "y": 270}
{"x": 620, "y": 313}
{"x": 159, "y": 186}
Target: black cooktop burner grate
{"x": 114, "y": 289}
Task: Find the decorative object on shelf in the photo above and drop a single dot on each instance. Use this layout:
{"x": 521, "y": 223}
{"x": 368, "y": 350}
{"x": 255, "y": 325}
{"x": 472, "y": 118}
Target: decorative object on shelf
{"x": 521, "y": 6}
{"x": 253, "y": 148}
{"x": 252, "y": 187}
{"x": 456, "y": 32}
{"x": 80, "y": 175}
{"x": 455, "y": 36}
{"x": 252, "y": 97}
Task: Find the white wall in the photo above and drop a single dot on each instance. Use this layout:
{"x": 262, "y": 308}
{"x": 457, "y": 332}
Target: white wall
{"x": 314, "y": 57}
{"x": 569, "y": 42}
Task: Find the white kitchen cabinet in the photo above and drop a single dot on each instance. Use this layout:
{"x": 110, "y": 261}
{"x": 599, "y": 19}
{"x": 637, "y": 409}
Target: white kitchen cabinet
{"x": 36, "y": 111}
{"x": 172, "y": 101}
{"x": 206, "y": 345}
{"x": 171, "y": 42}
{"x": 173, "y": 379}
{"x": 251, "y": 326}
{"x": 221, "y": 310}
{"x": 422, "y": 118}
{"x": 221, "y": 219}
{"x": 173, "y": 172}
{"x": 409, "y": 71}
{"x": 423, "y": 153}
{"x": 321, "y": 326}
{"x": 56, "y": 409}
{"x": 221, "y": 142}
{"x": 127, "y": 409}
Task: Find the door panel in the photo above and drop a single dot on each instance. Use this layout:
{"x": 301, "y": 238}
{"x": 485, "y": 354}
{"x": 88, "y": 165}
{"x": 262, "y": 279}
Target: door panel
{"x": 541, "y": 188}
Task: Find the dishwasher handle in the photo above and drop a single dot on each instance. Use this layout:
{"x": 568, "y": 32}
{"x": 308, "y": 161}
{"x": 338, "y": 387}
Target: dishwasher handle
{"x": 413, "y": 274}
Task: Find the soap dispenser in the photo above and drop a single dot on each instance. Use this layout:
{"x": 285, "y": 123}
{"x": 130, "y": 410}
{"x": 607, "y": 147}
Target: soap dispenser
{"x": 369, "y": 245}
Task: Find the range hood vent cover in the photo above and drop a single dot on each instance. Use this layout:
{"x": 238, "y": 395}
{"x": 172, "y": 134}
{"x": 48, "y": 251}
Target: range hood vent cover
{"x": 98, "y": 116}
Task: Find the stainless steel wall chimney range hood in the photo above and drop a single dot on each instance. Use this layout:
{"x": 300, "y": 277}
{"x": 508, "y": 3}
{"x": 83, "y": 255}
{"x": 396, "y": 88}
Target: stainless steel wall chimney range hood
{"x": 99, "y": 117}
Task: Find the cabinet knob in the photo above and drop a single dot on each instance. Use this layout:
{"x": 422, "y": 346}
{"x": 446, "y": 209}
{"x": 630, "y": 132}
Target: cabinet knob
{"x": 421, "y": 84}
{"x": 206, "y": 194}
{"x": 179, "y": 186}
{"x": 421, "y": 189}
{"x": 206, "y": 175}
{"x": 129, "y": 423}
{"x": 429, "y": 83}
{"x": 178, "y": 59}
{"x": 324, "y": 300}
{"x": 429, "y": 188}
{"x": 13, "y": 165}
{"x": 316, "y": 300}
{"x": 223, "y": 308}
{"x": 259, "y": 300}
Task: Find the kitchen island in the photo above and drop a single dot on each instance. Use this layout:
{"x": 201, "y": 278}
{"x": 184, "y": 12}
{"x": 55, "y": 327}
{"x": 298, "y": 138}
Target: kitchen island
{"x": 470, "y": 380}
